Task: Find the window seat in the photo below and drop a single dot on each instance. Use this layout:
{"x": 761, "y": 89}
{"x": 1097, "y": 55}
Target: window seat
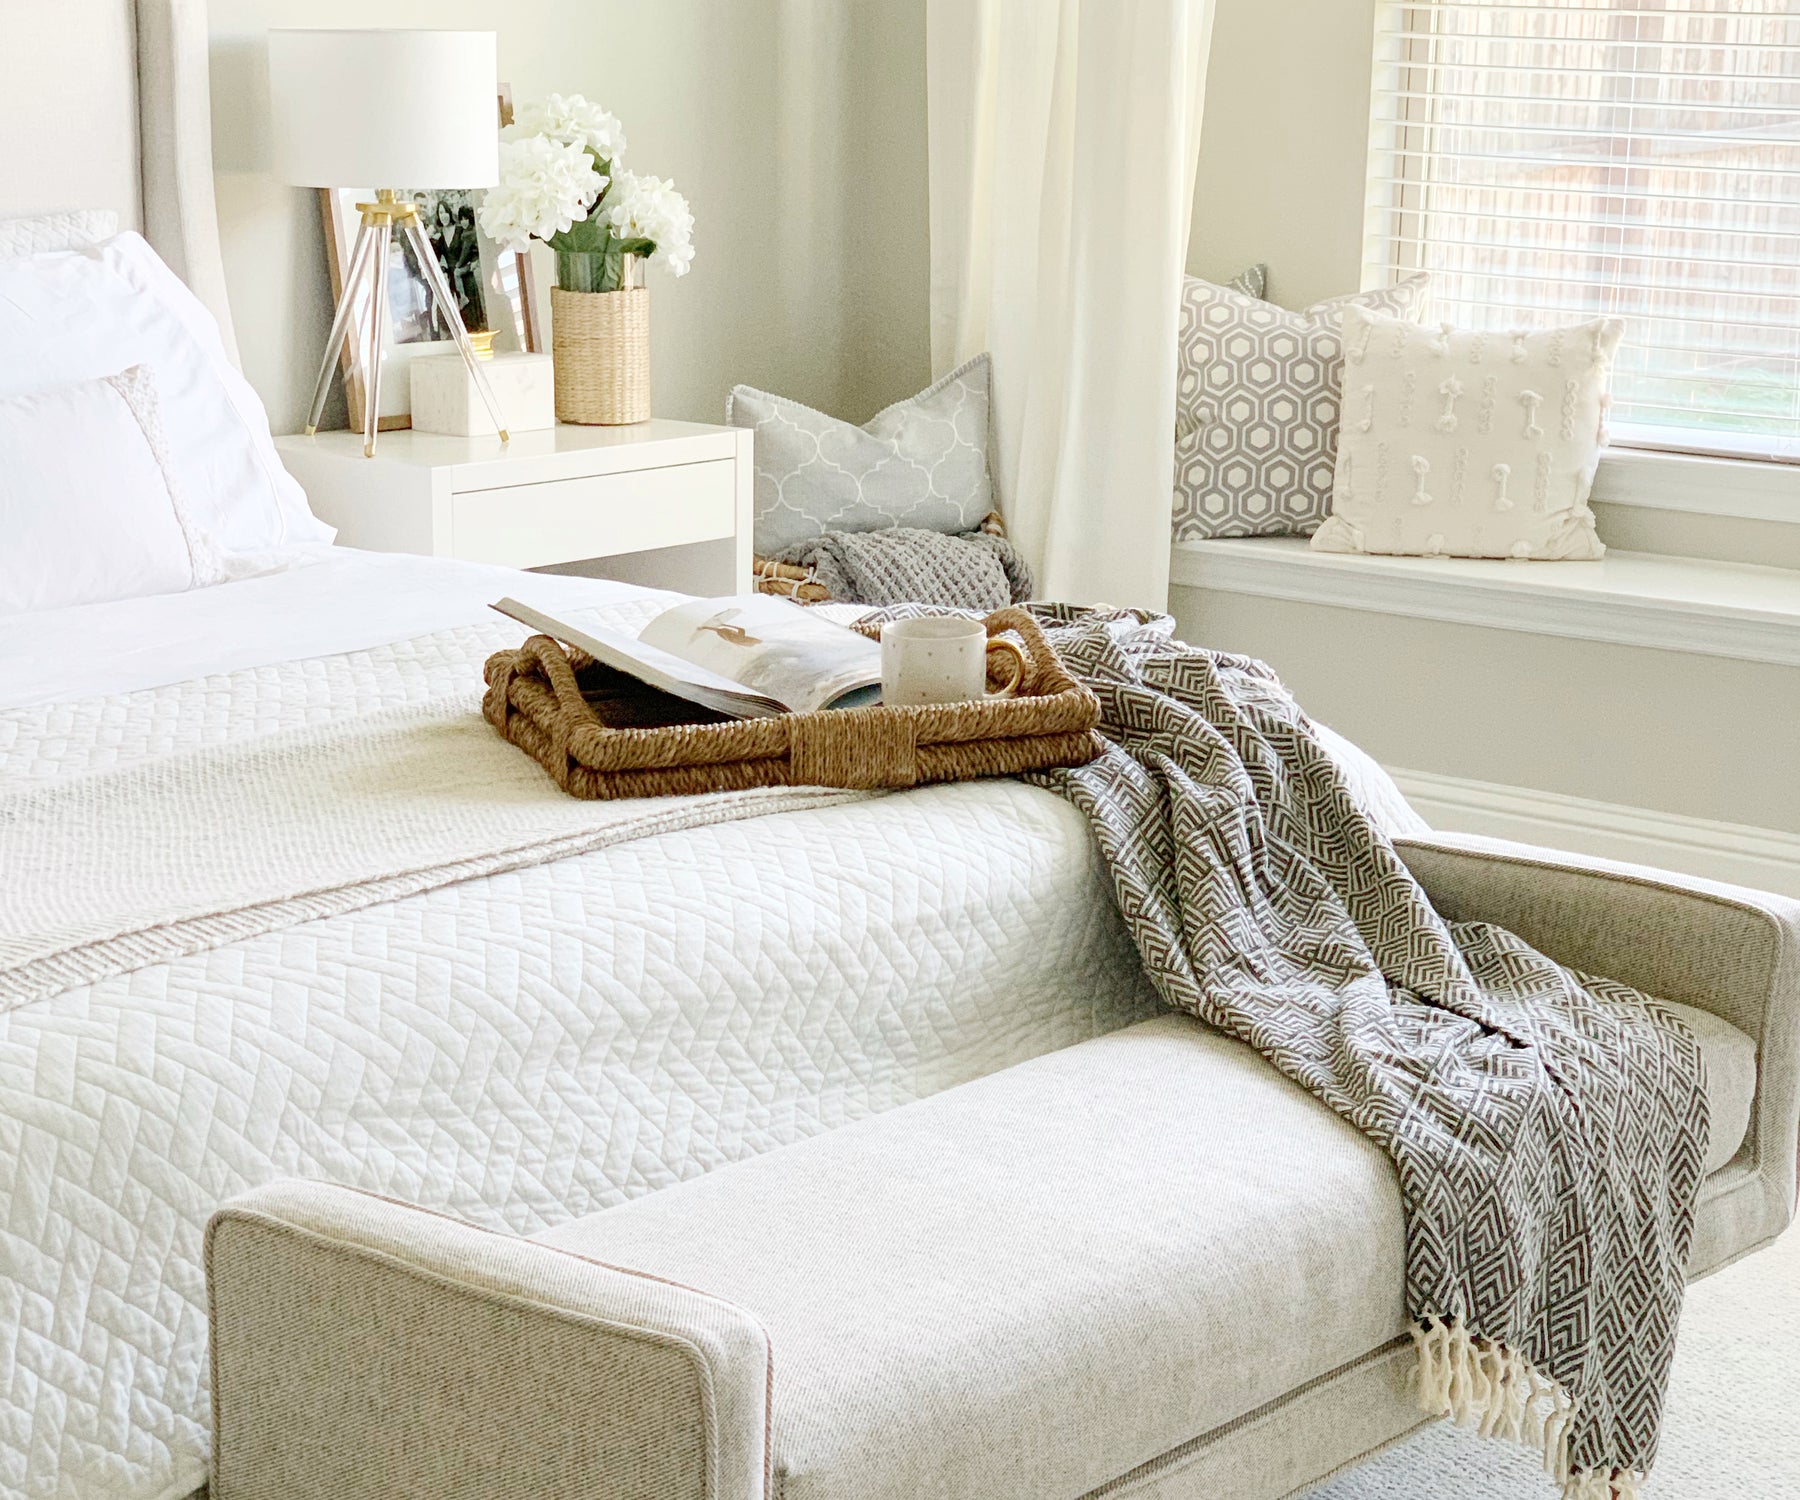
{"x": 1628, "y": 598}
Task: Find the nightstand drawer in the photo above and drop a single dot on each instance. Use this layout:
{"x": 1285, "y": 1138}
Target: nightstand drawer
{"x": 568, "y": 520}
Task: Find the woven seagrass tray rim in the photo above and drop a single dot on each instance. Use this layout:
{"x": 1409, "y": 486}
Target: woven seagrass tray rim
{"x": 534, "y": 699}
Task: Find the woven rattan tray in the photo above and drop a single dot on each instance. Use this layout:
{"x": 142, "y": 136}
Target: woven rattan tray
{"x": 601, "y": 734}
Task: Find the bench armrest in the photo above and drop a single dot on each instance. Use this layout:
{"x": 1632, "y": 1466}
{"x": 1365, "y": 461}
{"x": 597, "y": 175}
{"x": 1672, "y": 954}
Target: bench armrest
{"x": 362, "y": 1348}
{"x": 1721, "y": 948}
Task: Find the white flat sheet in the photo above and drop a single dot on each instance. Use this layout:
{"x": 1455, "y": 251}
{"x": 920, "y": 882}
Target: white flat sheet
{"x": 328, "y": 600}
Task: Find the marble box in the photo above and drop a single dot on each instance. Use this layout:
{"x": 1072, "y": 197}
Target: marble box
{"x": 444, "y": 398}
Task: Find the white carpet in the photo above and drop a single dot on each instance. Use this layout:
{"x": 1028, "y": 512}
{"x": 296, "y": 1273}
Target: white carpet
{"x": 1731, "y": 1430}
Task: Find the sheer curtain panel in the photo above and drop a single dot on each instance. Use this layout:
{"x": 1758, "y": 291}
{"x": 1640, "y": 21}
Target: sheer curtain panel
{"x": 1064, "y": 138}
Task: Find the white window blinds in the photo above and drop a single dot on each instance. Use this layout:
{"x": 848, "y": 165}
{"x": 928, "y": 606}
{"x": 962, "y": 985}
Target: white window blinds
{"x": 1573, "y": 158}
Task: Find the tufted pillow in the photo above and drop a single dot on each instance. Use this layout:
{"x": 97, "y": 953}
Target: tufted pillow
{"x": 38, "y": 234}
{"x": 1256, "y": 408}
{"x": 921, "y": 462}
{"x": 1469, "y": 444}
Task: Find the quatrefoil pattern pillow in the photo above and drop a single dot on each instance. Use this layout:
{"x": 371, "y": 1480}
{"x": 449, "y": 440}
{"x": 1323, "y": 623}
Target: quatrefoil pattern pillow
{"x": 921, "y": 462}
{"x": 1256, "y": 407}
{"x": 1469, "y": 444}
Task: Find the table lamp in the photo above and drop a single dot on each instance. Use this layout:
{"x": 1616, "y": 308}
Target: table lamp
{"x": 362, "y": 108}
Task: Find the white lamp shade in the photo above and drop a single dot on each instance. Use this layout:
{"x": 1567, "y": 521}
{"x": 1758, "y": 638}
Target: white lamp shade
{"x": 384, "y": 109}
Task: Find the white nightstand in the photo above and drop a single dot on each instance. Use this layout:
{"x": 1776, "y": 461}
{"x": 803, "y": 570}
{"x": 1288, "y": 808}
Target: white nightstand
{"x": 659, "y": 503}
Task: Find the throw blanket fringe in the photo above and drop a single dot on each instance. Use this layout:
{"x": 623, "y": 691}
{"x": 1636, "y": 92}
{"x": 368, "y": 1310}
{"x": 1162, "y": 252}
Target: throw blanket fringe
{"x": 1491, "y": 1389}
{"x": 216, "y": 845}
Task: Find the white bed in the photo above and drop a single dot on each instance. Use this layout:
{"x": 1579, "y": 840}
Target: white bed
{"x": 517, "y": 1048}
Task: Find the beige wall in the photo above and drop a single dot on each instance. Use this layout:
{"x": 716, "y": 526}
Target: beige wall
{"x": 795, "y": 127}
{"x": 1283, "y": 144}
{"x": 1700, "y": 736}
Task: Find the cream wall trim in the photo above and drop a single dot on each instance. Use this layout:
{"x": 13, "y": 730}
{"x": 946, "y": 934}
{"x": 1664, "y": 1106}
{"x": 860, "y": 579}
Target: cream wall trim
{"x": 1632, "y": 599}
{"x": 1762, "y": 858}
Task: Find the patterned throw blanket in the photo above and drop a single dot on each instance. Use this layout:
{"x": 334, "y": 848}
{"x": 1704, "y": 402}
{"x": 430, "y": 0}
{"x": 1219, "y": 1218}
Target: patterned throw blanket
{"x": 1548, "y": 1127}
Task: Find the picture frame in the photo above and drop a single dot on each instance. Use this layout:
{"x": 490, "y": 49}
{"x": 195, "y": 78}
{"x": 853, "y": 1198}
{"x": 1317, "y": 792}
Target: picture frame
{"x": 498, "y": 289}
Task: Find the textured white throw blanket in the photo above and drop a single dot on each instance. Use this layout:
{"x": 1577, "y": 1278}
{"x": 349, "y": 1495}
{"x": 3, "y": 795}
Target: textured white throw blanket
{"x": 222, "y": 843}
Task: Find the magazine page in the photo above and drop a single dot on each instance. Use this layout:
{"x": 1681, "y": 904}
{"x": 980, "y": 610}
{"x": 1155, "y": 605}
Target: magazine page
{"x": 628, "y": 654}
{"x": 772, "y": 647}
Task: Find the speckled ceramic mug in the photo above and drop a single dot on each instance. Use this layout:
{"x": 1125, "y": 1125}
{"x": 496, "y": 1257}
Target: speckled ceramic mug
{"x": 939, "y": 659}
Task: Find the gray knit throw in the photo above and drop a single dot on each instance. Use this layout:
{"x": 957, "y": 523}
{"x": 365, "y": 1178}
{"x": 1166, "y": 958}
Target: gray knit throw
{"x": 904, "y": 565}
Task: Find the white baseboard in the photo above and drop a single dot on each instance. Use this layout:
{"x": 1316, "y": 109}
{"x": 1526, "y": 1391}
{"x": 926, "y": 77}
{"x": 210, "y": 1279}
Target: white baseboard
{"x": 1765, "y": 858}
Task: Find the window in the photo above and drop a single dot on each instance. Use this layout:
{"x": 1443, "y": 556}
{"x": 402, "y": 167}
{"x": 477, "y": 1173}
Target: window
{"x": 1568, "y": 159}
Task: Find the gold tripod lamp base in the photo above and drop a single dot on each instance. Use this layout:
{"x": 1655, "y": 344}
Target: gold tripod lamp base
{"x": 366, "y": 283}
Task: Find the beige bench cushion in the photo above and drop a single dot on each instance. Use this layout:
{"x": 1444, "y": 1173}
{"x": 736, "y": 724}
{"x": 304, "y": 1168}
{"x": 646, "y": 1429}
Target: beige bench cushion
{"x": 1730, "y": 1059}
{"x": 1032, "y": 1283}
{"x": 1112, "y": 1249}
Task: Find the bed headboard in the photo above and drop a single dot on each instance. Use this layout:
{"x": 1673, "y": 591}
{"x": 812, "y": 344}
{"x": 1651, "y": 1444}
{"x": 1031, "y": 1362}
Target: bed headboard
{"x": 105, "y": 104}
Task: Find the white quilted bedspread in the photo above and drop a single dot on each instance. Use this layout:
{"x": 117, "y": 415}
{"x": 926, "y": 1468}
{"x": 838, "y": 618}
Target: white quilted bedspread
{"x": 515, "y": 1049}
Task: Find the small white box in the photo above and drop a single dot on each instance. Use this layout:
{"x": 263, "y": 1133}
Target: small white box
{"x": 444, "y": 398}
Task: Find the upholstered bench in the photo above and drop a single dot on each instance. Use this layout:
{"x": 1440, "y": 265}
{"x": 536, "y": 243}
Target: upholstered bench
{"x": 1146, "y": 1265}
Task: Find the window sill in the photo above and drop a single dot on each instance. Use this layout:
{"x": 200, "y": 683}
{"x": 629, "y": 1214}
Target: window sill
{"x": 1738, "y": 487}
{"x": 1629, "y": 598}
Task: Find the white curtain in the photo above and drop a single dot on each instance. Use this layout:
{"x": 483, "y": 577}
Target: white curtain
{"x": 1064, "y": 138}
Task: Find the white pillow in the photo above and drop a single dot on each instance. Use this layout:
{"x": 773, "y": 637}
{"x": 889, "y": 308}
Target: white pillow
{"x": 89, "y": 509}
{"x": 1461, "y": 444}
{"x": 37, "y": 234}
{"x": 82, "y": 314}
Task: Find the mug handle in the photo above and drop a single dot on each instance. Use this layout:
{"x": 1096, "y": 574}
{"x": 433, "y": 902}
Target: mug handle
{"x": 1020, "y": 662}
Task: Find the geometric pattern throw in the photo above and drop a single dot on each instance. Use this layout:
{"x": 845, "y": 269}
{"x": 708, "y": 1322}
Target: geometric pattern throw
{"x": 1256, "y": 408}
{"x": 1548, "y": 1127}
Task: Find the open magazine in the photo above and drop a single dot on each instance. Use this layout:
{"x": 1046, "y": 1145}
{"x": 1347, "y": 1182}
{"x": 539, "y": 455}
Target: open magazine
{"x": 746, "y": 656}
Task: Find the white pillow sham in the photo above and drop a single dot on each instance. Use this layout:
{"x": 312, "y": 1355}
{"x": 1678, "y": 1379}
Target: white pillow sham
{"x": 37, "y": 234}
{"x": 89, "y": 507}
{"x": 87, "y": 313}
{"x": 1469, "y": 444}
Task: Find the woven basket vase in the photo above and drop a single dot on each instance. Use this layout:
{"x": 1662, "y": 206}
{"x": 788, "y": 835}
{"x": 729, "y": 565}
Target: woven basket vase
{"x": 600, "y": 342}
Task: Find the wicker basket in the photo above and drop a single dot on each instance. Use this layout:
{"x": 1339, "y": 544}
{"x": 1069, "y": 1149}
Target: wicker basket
{"x": 787, "y": 581}
{"x": 791, "y": 581}
{"x": 601, "y": 734}
{"x": 601, "y": 345}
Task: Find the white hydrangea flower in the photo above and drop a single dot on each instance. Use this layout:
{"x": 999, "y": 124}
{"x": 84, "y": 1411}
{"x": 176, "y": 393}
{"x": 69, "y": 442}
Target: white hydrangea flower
{"x": 650, "y": 208}
{"x": 545, "y": 186}
{"x": 571, "y": 119}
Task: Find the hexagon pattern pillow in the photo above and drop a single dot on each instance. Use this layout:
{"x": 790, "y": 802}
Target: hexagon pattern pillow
{"x": 921, "y": 462}
{"x": 1256, "y": 408}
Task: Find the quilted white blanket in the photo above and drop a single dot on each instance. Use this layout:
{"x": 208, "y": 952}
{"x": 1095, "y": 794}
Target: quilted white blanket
{"x": 113, "y": 870}
{"x": 515, "y": 1048}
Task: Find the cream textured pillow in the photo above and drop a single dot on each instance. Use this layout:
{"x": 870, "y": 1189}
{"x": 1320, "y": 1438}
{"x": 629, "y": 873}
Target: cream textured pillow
{"x": 1256, "y": 407}
{"x": 1469, "y": 444}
